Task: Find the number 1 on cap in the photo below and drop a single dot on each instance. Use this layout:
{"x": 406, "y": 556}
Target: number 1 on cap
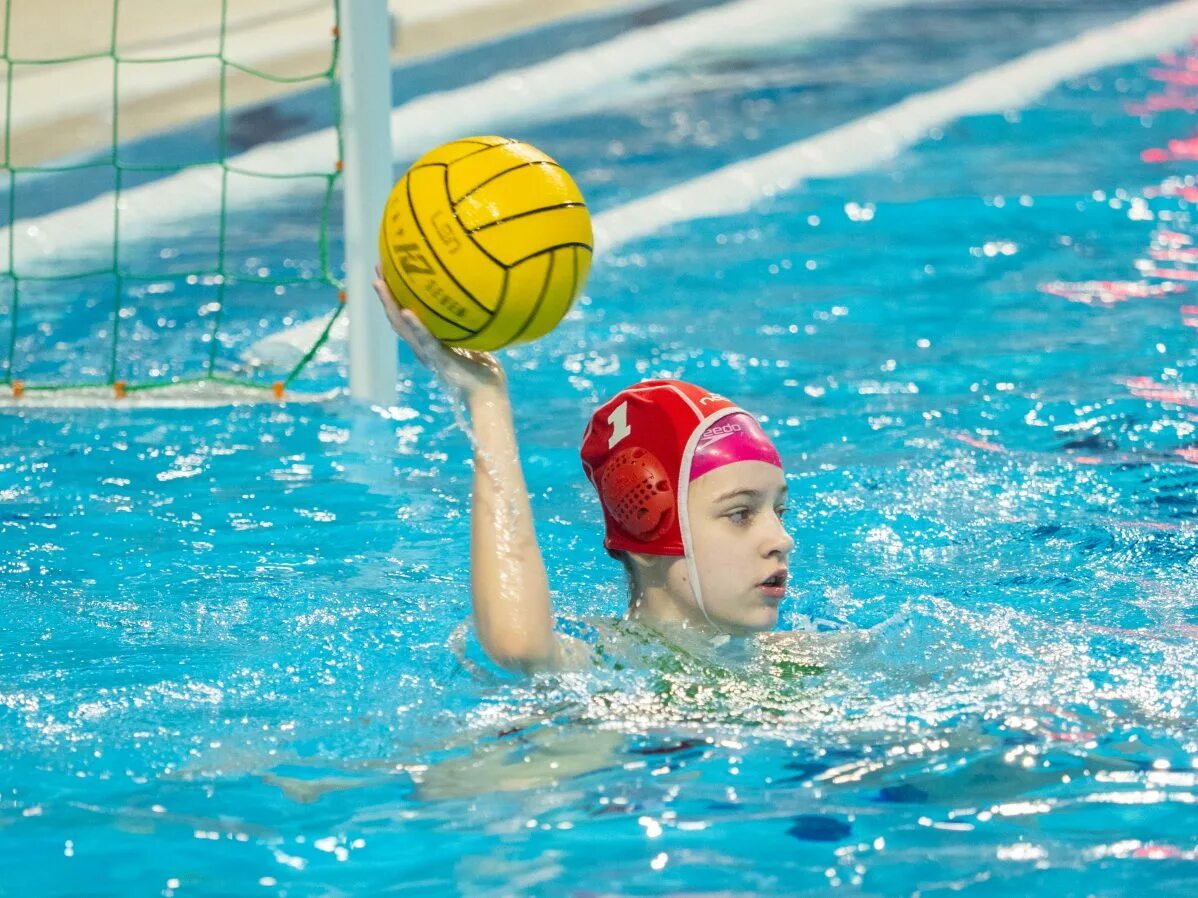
{"x": 618, "y": 420}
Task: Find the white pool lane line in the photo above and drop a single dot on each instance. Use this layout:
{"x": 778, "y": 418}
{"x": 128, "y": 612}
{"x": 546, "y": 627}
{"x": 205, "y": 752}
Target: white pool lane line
{"x": 854, "y": 146}
{"x": 862, "y": 143}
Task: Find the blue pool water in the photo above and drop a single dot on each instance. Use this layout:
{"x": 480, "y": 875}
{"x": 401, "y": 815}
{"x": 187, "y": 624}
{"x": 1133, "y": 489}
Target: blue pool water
{"x": 234, "y": 660}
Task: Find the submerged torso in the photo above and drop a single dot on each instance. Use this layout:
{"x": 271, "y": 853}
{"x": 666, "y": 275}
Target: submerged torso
{"x": 675, "y": 675}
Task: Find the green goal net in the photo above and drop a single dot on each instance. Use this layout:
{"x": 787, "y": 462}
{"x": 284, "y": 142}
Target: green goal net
{"x": 148, "y": 254}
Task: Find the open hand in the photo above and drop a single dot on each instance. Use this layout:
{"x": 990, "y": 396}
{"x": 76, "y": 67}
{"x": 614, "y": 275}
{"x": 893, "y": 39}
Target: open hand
{"x": 468, "y": 370}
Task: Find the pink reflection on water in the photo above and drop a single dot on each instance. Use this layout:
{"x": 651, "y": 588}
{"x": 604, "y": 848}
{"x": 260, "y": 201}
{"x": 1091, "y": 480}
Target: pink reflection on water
{"x": 1180, "y": 60}
{"x": 1189, "y": 453}
{"x": 1169, "y": 101}
{"x": 1155, "y": 391}
{"x": 1168, "y": 266}
{"x": 1108, "y": 293}
{"x": 1170, "y": 254}
{"x": 978, "y": 443}
{"x": 1063, "y": 735}
{"x": 1176, "y": 77}
{"x": 1175, "y": 274}
{"x": 1157, "y": 851}
{"x": 1165, "y": 237}
{"x": 1175, "y": 189}
{"x": 1179, "y": 73}
{"x": 1176, "y": 150}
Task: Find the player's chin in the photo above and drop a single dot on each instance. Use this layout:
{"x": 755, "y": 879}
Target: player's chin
{"x": 756, "y": 617}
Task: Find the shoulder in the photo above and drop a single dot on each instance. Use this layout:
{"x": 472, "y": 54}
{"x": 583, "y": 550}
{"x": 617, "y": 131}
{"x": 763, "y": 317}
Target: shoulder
{"x": 611, "y": 643}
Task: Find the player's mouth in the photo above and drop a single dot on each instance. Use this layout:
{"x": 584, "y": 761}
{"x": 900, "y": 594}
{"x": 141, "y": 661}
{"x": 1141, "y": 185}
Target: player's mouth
{"x": 774, "y": 586}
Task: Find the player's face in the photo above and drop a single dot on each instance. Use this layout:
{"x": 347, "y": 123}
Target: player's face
{"x": 741, "y": 548}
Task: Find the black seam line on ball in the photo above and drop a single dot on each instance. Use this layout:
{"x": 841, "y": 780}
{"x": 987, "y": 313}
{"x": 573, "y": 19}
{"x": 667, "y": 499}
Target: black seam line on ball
{"x": 444, "y": 166}
{"x": 404, "y": 281}
{"x": 465, "y": 230}
{"x": 482, "y": 148}
{"x": 444, "y": 267}
{"x": 550, "y": 249}
{"x": 499, "y": 221}
{"x": 481, "y": 143}
{"x": 498, "y": 306}
{"x": 500, "y": 174}
{"x": 537, "y": 305}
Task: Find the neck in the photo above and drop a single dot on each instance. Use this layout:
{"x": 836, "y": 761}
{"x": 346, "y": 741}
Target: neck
{"x": 657, "y": 606}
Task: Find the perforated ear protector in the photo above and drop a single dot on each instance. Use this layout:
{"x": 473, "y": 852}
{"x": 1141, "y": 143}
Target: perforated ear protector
{"x": 636, "y": 492}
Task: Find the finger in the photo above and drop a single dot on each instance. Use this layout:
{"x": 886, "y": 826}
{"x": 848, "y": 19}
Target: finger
{"x": 424, "y": 345}
{"x": 395, "y": 315}
{"x": 412, "y": 337}
{"x": 432, "y": 349}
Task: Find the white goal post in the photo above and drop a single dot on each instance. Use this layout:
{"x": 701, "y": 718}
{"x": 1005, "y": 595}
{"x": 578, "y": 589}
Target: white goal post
{"x": 366, "y": 134}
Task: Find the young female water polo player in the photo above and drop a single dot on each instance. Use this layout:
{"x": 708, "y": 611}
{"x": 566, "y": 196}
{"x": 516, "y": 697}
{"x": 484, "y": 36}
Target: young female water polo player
{"x": 692, "y": 492}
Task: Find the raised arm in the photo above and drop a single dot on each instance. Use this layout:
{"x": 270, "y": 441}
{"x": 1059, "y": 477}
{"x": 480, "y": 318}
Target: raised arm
{"x": 509, "y": 588}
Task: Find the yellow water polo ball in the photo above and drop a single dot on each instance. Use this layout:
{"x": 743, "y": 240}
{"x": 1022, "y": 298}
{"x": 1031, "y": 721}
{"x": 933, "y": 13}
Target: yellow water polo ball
{"x": 487, "y": 240}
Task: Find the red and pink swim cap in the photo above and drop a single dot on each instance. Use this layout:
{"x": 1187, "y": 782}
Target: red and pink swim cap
{"x": 644, "y": 446}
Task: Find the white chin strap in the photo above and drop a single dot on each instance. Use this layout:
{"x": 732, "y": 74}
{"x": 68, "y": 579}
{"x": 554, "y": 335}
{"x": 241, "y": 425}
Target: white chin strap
{"x": 696, "y": 590}
{"x": 684, "y": 522}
